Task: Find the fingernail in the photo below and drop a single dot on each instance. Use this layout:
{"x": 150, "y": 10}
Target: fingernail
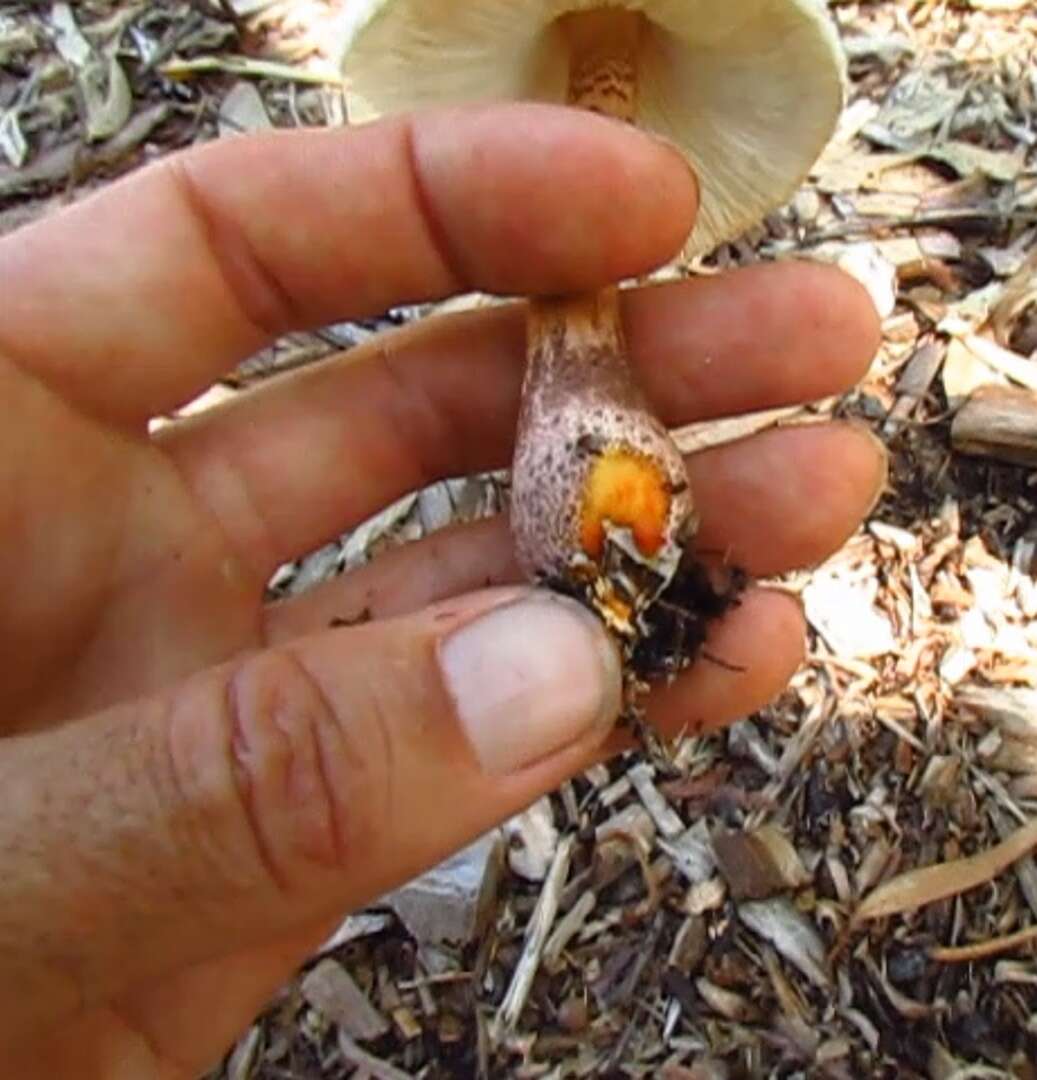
{"x": 530, "y": 678}
{"x": 881, "y": 464}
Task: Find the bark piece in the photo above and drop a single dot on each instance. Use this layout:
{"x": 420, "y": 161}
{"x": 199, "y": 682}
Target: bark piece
{"x": 757, "y": 864}
{"x": 998, "y": 422}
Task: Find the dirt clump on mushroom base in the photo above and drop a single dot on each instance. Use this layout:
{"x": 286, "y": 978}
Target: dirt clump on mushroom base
{"x": 668, "y": 635}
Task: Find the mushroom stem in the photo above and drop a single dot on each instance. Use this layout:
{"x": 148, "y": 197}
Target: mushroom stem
{"x": 591, "y": 462}
{"x": 603, "y": 62}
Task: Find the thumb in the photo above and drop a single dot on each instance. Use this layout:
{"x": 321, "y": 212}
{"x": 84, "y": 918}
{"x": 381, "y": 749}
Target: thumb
{"x": 283, "y": 787}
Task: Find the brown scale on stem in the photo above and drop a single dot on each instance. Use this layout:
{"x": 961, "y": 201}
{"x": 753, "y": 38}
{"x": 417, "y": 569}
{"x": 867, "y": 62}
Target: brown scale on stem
{"x": 601, "y": 506}
{"x": 603, "y": 60}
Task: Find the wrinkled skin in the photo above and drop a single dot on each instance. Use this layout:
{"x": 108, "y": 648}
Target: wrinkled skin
{"x": 175, "y": 835}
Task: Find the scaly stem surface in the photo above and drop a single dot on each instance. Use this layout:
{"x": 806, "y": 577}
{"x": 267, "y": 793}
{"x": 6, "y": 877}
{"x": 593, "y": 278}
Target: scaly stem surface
{"x": 603, "y": 60}
{"x": 603, "y": 78}
{"x": 580, "y": 402}
{"x": 603, "y": 47}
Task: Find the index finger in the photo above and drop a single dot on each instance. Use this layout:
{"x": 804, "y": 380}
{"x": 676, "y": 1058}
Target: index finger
{"x": 135, "y": 300}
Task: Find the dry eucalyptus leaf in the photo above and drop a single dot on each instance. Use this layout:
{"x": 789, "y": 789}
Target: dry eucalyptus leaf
{"x": 12, "y": 141}
{"x": 102, "y": 84}
{"x": 243, "y": 111}
{"x": 72, "y": 46}
{"x": 917, "y": 888}
{"x": 107, "y": 97}
{"x": 967, "y": 159}
{"x": 919, "y": 103}
{"x": 178, "y": 68}
{"x": 791, "y": 933}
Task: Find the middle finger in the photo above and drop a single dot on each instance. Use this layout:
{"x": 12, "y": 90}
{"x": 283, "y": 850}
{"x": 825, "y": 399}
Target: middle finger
{"x": 776, "y": 501}
{"x": 306, "y": 457}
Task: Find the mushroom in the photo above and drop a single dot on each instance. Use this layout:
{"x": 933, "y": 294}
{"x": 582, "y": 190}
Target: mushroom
{"x": 750, "y": 91}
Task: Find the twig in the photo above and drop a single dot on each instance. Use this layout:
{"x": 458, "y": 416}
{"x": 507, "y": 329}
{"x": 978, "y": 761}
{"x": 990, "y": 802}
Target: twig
{"x": 980, "y": 950}
{"x": 923, "y": 220}
{"x": 900, "y": 731}
{"x": 914, "y": 383}
{"x": 231, "y": 15}
{"x": 536, "y": 937}
{"x": 180, "y": 31}
{"x": 246, "y": 66}
{"x": 569, "y": 926}
{"x": 377, "y": 1067}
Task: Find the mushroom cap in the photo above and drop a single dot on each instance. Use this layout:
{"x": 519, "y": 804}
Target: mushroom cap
{"x": 749, "y": 90}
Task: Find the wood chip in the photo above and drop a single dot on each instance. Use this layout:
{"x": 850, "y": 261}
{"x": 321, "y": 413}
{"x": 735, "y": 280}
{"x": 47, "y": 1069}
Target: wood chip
{"x": 664, "y": 816}
{"x": 537, "y": 932}
{"x": 759, "y": 863}
{"x": 330, "y": 989}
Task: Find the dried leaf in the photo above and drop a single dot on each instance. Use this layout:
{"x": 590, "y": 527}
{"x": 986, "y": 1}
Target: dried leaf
{"x": 107, "y": 97}
{"x": 916, "y": 888}
{"x": 967, "y": 159}
{"x": 255, "y": 69}
{"x": 72, "y": 46}
{"x": 980, "y": 950}
{"x": 12, "y": 141}
{"x": 791, "y": 933}
{"x": 242, "y": 111}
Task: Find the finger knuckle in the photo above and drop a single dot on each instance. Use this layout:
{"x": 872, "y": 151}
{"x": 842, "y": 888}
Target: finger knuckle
{"x": 307, "y": 791}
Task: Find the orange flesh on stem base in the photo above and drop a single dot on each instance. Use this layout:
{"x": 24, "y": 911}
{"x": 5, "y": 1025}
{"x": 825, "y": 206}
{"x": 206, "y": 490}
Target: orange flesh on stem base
{"x": 628, "y": 490}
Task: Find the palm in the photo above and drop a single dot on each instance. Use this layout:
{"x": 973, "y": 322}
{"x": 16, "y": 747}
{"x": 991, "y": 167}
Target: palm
{"x": 134, "y": 548}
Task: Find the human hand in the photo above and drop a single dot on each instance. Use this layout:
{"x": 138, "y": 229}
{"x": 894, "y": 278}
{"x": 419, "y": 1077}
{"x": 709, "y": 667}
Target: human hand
{"x": 196, "y": 784}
